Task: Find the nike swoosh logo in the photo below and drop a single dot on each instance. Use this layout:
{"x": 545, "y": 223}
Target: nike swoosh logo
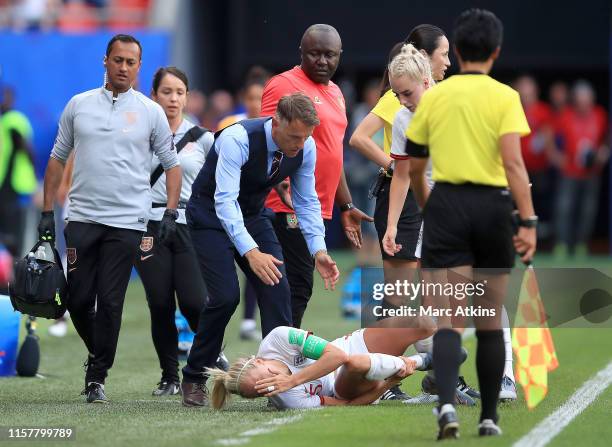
{"x": 142, "y": 258}
{"x": 72, "y": 269}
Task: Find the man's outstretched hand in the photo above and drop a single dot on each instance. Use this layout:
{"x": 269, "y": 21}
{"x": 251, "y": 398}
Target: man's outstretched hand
{"x": 351, "y": 223}
{"x": 327, "y": 268}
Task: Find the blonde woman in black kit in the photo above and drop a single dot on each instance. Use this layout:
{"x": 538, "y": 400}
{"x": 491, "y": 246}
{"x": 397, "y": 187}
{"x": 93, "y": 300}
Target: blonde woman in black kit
{"x": 170, "y": 271}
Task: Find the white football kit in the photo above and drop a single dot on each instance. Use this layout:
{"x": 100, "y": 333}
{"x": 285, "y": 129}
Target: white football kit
{"x": 288, "y": 345}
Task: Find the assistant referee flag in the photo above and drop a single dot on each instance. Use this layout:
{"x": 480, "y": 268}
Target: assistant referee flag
{"x": 532, "y": 342}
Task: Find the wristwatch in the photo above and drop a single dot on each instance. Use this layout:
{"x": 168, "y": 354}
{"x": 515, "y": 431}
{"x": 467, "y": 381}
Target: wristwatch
{"x": 347, "y": 206}
{"x": 530, "y": 222}
{"x": 171, "y": 213}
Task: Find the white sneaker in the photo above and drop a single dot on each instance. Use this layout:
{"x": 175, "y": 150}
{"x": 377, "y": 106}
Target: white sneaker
{"x": 488, "y": 428}
{"x": 58, "y": 329}
{"x": 507, "y": 392}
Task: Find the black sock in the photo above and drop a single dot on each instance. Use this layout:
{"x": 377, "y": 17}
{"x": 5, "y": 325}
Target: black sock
{"x": 446, "y": 360}
{"x": 490, "y": 358}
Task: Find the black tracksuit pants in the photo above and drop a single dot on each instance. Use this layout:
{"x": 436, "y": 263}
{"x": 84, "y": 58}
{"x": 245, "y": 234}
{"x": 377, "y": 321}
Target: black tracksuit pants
{"x": 170, "y": 273}
{"x": 100, "y": 260}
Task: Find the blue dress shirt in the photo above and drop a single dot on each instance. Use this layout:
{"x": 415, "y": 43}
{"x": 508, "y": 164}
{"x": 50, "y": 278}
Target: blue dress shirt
{"x": 235, "y": 144}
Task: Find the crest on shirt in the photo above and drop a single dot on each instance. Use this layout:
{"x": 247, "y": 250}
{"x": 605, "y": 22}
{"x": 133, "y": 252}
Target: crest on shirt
{"x": 71, "y": 255}
{"x": 292, "y": 221}
{"x": 131, "y": 117}
{"x": 298, "y": 360}
{"x": 146, "y": 244}
{"x": 316, "y": 100}
{"x": 341, "y": 102}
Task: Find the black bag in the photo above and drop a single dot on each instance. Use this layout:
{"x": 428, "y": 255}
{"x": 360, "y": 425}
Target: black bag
{"x": 42, "y": 291}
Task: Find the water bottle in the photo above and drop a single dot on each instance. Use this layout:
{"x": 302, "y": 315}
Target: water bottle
{"x": 45, "y": 252}
{"x": 32, "y": 264}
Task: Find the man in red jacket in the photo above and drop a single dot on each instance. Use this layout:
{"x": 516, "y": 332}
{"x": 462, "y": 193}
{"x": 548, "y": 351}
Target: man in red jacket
{"x": 320, "y": 51}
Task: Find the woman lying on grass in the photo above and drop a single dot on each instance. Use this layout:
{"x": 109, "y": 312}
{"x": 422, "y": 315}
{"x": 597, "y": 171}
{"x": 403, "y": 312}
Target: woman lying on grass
{"x": 296, "y": 369}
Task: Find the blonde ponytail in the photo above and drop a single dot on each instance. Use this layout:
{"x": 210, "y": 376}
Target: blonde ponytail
{"x": 224, "y": 384}
{"x": 412, "y": 63}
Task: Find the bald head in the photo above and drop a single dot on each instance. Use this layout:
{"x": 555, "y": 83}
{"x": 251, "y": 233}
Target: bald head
{"x": 320, "y": 50}
{"x": 321, "y": 29}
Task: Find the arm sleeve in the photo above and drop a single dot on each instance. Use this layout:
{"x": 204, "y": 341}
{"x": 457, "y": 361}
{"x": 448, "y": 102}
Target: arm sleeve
{"x": 513, "y": 117}
{"x": 398, "y": 136}
{"x": 297, "y": 398}
{"x": 233, "y": 149}
{"x": 416, "y": 150}
{"x": 308, "y": 344}
{"x": 306, "y": 202}
{"x": 387, "y": 107}
{"x": 64, "y": 141}
{"x": 161, "y": 139}
{"x": 274, "y": 90}
{"x": 418, "y": 129}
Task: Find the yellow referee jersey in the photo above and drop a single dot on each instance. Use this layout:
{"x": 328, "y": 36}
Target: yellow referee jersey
{"x": 386, "y": 108}
{"x": 461, "y": 121}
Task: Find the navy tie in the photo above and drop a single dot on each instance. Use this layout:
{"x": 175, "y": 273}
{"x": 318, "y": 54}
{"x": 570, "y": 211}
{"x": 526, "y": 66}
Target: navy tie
{"x": 276, "y": 161}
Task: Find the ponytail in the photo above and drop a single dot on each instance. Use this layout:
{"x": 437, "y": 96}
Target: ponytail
{"x": 227, "y": 383}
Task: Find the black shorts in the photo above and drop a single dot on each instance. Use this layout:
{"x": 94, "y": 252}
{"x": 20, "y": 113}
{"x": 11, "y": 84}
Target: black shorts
{"x": 408, "y": 225}
{"x": 468, "y": 225}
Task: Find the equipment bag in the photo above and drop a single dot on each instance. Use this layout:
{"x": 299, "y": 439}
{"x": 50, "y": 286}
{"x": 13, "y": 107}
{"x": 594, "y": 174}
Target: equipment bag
{"x": 39, "y": 287}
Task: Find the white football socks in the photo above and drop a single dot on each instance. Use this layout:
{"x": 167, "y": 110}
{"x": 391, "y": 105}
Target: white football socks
{"x": 383, "y": 366}
{"x": 508, "y": 365}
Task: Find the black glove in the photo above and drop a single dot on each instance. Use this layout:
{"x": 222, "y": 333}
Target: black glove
{"x": 167, "y": 226}
{"x": 46, "y": 226}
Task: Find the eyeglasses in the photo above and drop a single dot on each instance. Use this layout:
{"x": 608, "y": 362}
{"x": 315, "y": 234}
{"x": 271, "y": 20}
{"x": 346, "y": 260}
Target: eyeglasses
{"x": 276, "y": 161}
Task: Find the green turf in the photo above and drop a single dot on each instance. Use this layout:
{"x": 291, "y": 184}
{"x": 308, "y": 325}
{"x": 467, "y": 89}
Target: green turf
{"x": 135, "y": 418}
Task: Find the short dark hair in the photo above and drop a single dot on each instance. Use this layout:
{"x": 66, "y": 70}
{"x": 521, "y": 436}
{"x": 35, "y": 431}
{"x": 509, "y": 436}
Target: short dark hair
{"x": 477, "y": 34}
{"x": 125, "y": 38}
{"x": 163, "y": 71}
{"x": 297, "y": 106}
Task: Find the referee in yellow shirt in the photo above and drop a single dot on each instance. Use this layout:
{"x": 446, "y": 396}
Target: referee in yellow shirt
{"x": 470, "y": 125}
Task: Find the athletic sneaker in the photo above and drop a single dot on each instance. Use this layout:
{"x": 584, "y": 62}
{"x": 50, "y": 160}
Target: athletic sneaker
{"x": 250, "y": 334}
{"x": 59, "y": 328}
{"x": 95, "y": 393}
{"x": 488, "y": 428}
{"x": 507, "y": 393}
{"x": 167, "y": 388}
{"x": 463, "y": 386}
{"x": 463, "y": 398}
{"x": 222, "y": 362}
{"x": 421, "y": 399}
{"x": 394, "y": 393}
{"x": 447, "y": 422}
{"x": 428, "y": 385}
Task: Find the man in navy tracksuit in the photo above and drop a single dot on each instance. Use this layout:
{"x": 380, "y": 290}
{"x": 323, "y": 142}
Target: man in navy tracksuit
{"x": 228, "y": 223}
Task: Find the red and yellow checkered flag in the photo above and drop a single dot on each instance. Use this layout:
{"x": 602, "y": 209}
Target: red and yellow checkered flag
{"x": 532, "y": 342}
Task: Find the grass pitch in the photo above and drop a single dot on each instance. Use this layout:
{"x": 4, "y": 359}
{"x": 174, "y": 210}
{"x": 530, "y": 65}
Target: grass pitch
{"x": 135, "y": 418}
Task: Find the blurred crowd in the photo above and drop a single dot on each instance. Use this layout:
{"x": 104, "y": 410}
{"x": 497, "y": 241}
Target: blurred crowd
{"x": 74, "y": 15}
{"x": 565, "y": 155}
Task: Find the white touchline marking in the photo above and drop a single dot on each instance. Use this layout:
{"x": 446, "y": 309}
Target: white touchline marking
{"x": 269, "y": 427}
{"x": 234, "y": 441}
{"x": 258, "y": 431}
{"x": 584, "y": 396}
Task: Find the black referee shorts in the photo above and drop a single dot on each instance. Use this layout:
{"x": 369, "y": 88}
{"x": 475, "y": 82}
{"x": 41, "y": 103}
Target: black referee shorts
{"x": 408, "y": 225}
{"x": 468, "y": 225}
